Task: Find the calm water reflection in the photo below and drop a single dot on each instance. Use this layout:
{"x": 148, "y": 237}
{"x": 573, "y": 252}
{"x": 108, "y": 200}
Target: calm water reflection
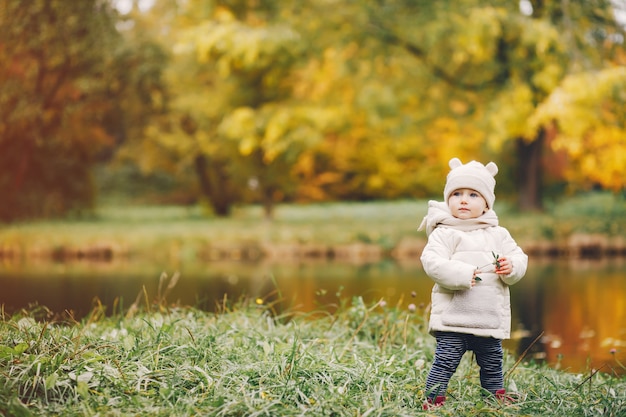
{"x": 579, "y": 307}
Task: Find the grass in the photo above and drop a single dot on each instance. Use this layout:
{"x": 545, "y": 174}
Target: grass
{"x": 247, "y": 360}
{"x": 177, "y": 231}
{"x": 362, "y": 360}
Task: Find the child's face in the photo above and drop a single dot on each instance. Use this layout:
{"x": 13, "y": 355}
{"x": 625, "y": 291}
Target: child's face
{"x": 466, "y": 203}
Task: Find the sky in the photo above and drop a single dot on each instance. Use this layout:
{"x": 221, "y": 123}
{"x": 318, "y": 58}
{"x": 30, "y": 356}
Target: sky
{"x": 620, "y": 11}
{"x": 125, "y": 6}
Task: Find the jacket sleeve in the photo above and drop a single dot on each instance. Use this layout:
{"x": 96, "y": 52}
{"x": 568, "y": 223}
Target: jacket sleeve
{"x": 436, "y": 259}
{"x": 519, "y": 259}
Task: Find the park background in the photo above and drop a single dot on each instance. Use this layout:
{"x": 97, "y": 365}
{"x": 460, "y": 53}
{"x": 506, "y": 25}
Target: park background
{"x": 189, "y": 133}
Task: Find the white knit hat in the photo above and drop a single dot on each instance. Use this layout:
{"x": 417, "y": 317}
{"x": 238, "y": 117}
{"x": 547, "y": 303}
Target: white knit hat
{"x": 473, "y": 175}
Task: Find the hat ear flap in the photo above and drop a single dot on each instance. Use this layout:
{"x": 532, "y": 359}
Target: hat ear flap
{"x": 492, "y": 168}
{"x": 455, "y": 163}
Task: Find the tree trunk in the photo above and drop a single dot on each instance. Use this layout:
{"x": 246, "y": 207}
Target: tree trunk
{"x": 268, "y": 202}
{"x": 214, "y": 185}
{"x": 530, "y": 175}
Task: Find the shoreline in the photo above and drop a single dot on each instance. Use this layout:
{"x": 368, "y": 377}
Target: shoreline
{"x": 579, "y": 246}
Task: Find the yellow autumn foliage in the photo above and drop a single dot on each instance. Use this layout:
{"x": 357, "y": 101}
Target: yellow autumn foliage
{"x": 512, "y": 108}
{"x": 371, "y": 101}
{"x": 590, "y": 113}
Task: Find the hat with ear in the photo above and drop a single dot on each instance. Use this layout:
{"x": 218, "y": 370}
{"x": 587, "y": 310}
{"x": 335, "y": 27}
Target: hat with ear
{"x": 473, "y": 175}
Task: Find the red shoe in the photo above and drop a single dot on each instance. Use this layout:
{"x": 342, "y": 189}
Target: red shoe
{"x": 505, "y": 398}
{"x": 437, "y": 402}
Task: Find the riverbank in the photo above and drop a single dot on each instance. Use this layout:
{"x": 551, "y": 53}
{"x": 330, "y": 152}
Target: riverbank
{"x": 589, "y": 226}
{"x": 578, "y": 246}
{"x": 159, "y": 360}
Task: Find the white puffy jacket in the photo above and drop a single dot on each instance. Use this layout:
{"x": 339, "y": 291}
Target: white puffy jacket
{"x": 454, "y": 250}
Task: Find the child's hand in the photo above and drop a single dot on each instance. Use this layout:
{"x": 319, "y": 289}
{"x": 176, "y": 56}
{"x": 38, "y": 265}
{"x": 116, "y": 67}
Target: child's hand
{"x": 474, "y": 277}
{"x": 504, "y": 266}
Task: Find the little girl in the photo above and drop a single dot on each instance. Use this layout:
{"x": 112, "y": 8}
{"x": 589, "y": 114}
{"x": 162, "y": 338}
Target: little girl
{"x": 473, "y": 261}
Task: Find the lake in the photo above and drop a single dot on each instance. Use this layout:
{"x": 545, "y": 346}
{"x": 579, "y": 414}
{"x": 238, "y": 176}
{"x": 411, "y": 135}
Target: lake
{"x": 576, "y": 309}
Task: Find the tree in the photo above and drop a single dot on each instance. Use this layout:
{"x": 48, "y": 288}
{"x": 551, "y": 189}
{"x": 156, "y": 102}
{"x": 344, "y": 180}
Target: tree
{"x": 233, "y": 118}
{"x": 512, "y": 61}
{"x": 592, "y": 39}
{"x": 591, "y": 128}
{"x": 273, "y": 101}
{"x": 55, "y": 57}
{"x": 586, "y": 113}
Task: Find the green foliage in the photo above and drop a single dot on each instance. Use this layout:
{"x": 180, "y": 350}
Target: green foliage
{"x": 246, "y": 360}
{"x": 594, "y": 213}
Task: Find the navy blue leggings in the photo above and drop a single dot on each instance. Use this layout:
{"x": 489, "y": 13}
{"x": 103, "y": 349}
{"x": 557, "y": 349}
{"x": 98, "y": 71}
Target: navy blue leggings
{"x": 450, "y": 349}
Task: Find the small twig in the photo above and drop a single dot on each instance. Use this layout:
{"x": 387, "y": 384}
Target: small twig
{"x": 119, "y": 369}
{"x": 43, "y": 329}
{"x": 521, "y": 358}
{"x": 147, "y": 299}
{"x": 589, "y": 377}
{"x": 480, "y": 268}
{"x": 193, "y": 339}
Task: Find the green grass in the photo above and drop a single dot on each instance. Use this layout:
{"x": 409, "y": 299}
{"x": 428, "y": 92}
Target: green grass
{"x": 142, "y": 229}
{"x": 363, "y": 360}
{"x": 185, "y": 231}
{"x": 247, "y": 360}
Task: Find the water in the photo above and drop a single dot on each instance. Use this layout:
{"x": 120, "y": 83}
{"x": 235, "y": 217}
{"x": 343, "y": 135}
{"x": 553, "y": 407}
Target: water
{"x": 575, "y": 310}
